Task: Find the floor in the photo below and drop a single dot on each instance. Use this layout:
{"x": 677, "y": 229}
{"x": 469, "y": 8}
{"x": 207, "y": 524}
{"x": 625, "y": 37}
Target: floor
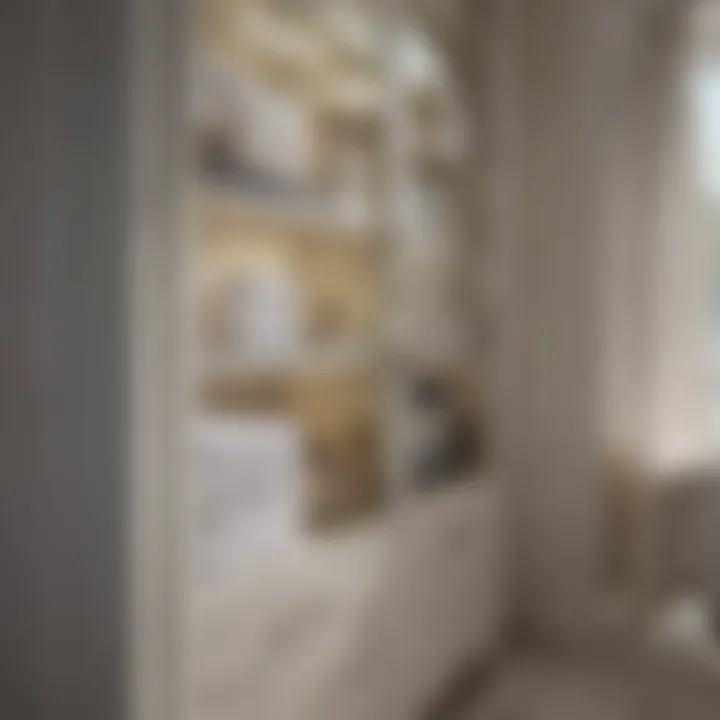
{"x": 674, "y": 674}
{"x": 543, "y": 687}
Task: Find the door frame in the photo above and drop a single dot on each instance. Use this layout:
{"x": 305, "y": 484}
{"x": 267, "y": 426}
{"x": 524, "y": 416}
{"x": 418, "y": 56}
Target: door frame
{"x": 159, "y": 361}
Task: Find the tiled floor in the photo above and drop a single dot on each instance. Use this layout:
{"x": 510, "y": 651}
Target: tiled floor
{"x": 542, "y": 687}
{"x": 668, "y": 677}
{"x": 670, "y": 671}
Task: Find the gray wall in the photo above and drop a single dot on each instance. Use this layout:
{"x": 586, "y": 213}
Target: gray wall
{"x": 62, "y": 498}
{"x": 548, "y": 428}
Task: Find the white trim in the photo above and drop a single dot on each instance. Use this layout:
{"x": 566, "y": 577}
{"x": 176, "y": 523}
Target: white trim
{"x": 158, "y": 362}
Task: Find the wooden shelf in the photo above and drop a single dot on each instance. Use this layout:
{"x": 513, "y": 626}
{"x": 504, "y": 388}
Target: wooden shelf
{"x": 305, "y": 55}
{"x": 325, "y": 363}
{"x": 301, "y": 217}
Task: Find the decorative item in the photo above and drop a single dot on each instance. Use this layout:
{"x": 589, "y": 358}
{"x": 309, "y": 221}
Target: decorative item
{"x": 251, "y": 135}
{"x": 253, "y": 318}
{"x": 445, "y": 437}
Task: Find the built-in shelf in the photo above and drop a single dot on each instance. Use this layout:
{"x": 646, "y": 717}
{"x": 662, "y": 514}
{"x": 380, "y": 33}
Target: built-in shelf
{"x": 307, "y": 55}
{"x": 364, "y": 177}
{"x": 301, "y": 216}
{"x": 340, "y": 362}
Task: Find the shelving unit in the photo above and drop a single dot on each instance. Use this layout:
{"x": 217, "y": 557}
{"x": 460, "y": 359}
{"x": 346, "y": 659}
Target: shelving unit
{"x": 375, "y": 278}
{"x": 433, "y": 309}
{"x": 357, "y": 217}
{"x": 310, "y": 220}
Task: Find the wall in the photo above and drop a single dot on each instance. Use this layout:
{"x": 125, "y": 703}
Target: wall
{"x": 657, "y": 299}
{"x": 658, "y": 398}
{"x": 549, "y": 369}
{"x": 601, "y": 345}
{"x": 64, "y": 215}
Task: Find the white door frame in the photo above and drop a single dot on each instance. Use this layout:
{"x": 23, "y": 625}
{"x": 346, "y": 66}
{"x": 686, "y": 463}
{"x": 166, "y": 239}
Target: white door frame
{"x": 159, "y": 359}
